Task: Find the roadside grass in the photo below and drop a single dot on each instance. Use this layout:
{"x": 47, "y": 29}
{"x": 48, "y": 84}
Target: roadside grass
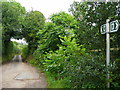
{"x": 51, "y": 80}
{"x": 53, "y": 83}
{"x": 6, "y": 59}
{"x": 0, "y": 59}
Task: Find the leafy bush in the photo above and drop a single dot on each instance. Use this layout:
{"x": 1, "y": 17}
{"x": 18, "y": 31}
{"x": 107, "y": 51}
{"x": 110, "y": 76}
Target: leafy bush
{"x": 25, "y": 52}
{"x": 17, "y": 48}
{"x": 115, "y": 80}
{"x": 9, "y": 52}
{"x": 53, "y": 83}
{"x": 85, "y": 70}
{"x": 60, "y": 55}
{"x": 72, "y": 60}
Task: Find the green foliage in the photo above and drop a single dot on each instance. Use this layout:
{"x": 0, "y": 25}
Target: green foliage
{"x": 11, "y": 26}
{"x": 11, "y": 15}
{"x": 0, "y": 40}
{"x": 17, "y": 24}
{"x": 61, "y": 46}
{"x": 13, "y": 48}
{"x": 115, "y": 80}
{"x": 71, "y": 59}
{"x": 90, "y": 16}
{"x": 54, "y": 59}
{"x": 17, "y": 48}
{"x": 25, "y": 52}
{"x": 49, "y": 35}
{"x": 60, "y": 55}
{"x": 11, "y": 51}
{"x": 64, "y": 20}
{"x": 53, "y": 83}
{"x": 32, "y": 23}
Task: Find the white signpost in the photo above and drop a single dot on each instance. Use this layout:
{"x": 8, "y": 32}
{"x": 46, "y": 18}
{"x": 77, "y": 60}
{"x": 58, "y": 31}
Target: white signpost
{"x": 114, "y": 25}
{"x": 103, "y": 29}
{"x": 106, "y": 29}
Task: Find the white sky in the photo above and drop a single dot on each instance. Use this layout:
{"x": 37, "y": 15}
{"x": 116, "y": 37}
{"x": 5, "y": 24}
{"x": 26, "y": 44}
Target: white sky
{"x": 19, "y": 41}
{"x": 47, "y": 7}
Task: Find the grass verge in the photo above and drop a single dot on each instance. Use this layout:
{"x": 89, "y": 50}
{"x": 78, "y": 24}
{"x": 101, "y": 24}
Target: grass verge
{"x": 53, "y": 83}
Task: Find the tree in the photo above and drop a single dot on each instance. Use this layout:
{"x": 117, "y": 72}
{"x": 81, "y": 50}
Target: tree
{"x": 64, "y": 19}
{"x": 91, "y": 15}
{"x": 33, "y": 22}
{"x": 49, "y": 36}
{"x": 60, "y": 23}
{"x": 11, "y": 16}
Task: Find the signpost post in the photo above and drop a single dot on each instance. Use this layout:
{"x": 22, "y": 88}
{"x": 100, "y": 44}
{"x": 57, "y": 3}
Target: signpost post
{"x": 107, "y": 29}
{"x": 107, "y": 49}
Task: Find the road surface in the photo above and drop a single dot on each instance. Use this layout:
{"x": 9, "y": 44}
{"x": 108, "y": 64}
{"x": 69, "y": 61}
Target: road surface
{"x": 17, "y": 74}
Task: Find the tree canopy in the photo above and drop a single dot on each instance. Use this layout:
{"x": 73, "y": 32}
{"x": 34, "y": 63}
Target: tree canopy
{"x": 11, "y": 22}
{"x": 90, "y": 16}
{"x": 11, "y": 15}
{"x": 18, "y": 23}
{"x": 32, "y": 23}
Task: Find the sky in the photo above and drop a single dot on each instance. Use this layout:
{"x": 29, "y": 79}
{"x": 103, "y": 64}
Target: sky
{"x": 19, "y": 41}
{"x": 47, "y": 7}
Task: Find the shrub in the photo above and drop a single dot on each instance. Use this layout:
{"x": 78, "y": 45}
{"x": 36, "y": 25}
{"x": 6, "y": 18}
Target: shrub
{"x": 8, "y": 52}
{"x": 25, "y": 52}
{"x": 72, "y": 60}
{"x": 84, "y": 70}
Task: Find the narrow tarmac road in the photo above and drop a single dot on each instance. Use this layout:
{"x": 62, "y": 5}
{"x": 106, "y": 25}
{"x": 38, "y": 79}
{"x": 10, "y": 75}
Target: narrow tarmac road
{"x": 17, "y": 74}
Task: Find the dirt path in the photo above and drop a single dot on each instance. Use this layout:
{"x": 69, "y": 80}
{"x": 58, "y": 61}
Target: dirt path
{"x": 21, "y": 75}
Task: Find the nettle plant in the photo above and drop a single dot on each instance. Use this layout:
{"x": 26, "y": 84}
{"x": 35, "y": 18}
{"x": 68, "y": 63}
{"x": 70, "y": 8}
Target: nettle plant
{"x": 71, "y": 60}
{"x": 55, "y": 60}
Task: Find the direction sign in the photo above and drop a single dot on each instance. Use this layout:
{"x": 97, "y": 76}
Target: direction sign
{"x": 106, "y": 29}
{"x": 114, "y": 25}
{"x": 103, "y": 29}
